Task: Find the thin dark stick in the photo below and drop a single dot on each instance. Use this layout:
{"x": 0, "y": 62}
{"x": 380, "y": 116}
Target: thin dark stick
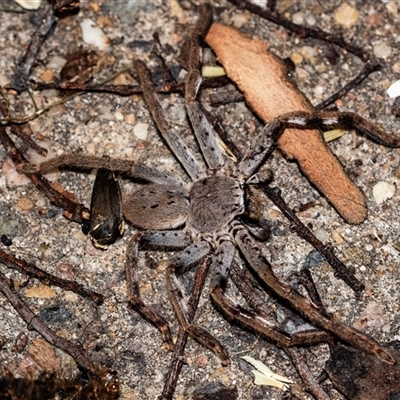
{"x": 221, "y": 98}
{"x": 307, "y": 377}
{"x": 34, "y": 322}
{"x": 305, "y": 279}
{"x": 34, "y": 272}
{"x": 24, "y": 132}
{"x": 127, "y": 90}
{"x": 341, "y": 271}
{"x": 369, "y": 67}
{"x": 19, "y": 81}
{"x": 302, "y": 31}
{"x": 179, "y": 349}
{"x": 72, "y": 210}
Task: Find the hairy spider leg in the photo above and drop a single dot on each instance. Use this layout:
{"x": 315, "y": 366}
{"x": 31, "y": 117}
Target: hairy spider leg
{"x": 268, "y": 136}
{"x": 203, "y": 130}
{"x": 188, "y": 258}
{"x": 181, "y": 152}
{"x": 130, "y": 169}
{"x": 251, "y": 320}
{"x": 263, "y": 269}
{"x": 167, "y": 239}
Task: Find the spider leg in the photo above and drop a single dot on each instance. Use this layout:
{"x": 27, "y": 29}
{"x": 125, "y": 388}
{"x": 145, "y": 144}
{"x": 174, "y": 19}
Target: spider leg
{"x": 190, "y": 256}
{"x": 203, "y": 130}
{"x": 130, "y": 168}
{"x": 175, "y": 143}
{"x": 309, "y": 310}
{"x": 304, "y": 278}
{"x": 326, "y": 250}
{"x": 268, "y": 136}
{"x": 252, "y": 320}
{"x": 167, "y": 239}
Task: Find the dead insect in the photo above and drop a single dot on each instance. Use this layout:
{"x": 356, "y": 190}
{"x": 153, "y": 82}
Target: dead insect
{"x": 106, "y": 219}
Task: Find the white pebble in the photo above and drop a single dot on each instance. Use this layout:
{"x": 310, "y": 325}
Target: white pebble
{"x": 311, "y": 21}
{"x": 346, "y": 15}
{"x": 29, "y": 4}
{"x": 394, "y": 90}
{"x": 4, "y": 80}
{"x": 382, "y": 50}
{"x": 321, "y": 234}
{"x": 298, "y": 18}
{"x": 56, "y": 63}
{"x": 92, "y": 34}
{"x": 119, "y": 116}
{"x": 140, "y": 130}
{"x": 383, "y": 191}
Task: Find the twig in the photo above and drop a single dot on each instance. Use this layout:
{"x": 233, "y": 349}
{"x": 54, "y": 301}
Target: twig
{"x": 307, "y": 377}
{"x": 127, "y": 90}
{"x": 340, "y": 269}
{"x": 19, "y": 81}
{"x": 34, "y": 272}
{"x": 72, "y": 210}
{"x": 34, "y": 322}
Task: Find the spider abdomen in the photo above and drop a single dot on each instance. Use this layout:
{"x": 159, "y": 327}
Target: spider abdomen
{"x": 157, "y": 207}
{"x": 214, "y": 202}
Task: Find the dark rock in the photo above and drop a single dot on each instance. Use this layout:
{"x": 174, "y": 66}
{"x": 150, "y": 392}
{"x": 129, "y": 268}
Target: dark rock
{"x": 215, "y": 391}
{"x": 361, "y": 376}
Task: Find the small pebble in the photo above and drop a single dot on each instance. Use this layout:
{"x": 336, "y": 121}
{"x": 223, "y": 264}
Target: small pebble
{"x": 119, "y": 116}
{"x": 297, "y": 58}
{"x": 336, "y": 236}
{"x": 55, "y": 314}
{"x": 321, "y": 234}
{"x": 25, "y": 204}
{"x": 392, "y": 8}
{"x": 382, "y": 50}
{"x": 47, "y": 75}
{"x": 130, "y": 119}
{"x": 396, "y": 67}
{"x": 93, "y": 251}
{"x": 394, "y": 90}
{"x": 6, "y": 240}
{"x": 93, "y": 35}
{"x": 67, "y": 270}
{"x": 346, "y": 16}
{"x": 4, "y": 80}
{"x": 70, "y": 296}
{"x": 40, "y": 292}
{"x": 311, "y": 20}
{"x": 298, "y": 18}
{"x": 56, "y": 63}
{"x": 238, "y": 20}
{"x": 309, "y": 53}
{"x": 140, "y": 130}
{"x": 383, "y": 191}
{"x": 373, "y": 20}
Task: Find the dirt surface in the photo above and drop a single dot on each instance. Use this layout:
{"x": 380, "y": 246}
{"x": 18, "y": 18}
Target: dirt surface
{"x": 104, "y": 124}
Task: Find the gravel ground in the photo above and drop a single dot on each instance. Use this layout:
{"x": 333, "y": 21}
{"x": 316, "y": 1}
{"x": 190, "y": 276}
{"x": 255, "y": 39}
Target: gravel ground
{"x": 121, "y": 127}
